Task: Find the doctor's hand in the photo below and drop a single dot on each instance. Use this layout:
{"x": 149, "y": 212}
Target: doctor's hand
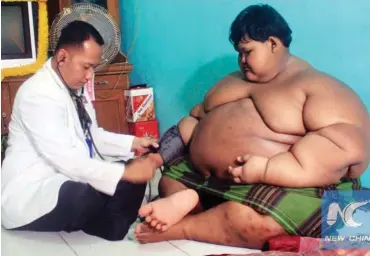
{"x": 140, "y": 170}
{"x": 143, "y": 144}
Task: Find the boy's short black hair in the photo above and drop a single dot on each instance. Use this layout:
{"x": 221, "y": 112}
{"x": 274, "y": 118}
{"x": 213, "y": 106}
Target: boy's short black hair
{"x": 259, "y": 22}
{"x": 77, "y": 32}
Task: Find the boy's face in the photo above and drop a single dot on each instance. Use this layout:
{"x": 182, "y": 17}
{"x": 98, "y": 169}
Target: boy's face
{"x": 256, "y": 59}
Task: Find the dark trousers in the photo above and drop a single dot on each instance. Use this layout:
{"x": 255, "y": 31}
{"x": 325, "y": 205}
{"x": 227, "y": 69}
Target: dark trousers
{"x": 81, "y": 207}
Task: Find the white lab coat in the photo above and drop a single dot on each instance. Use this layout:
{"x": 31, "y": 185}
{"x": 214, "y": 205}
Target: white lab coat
{"x": 47, "y": 147}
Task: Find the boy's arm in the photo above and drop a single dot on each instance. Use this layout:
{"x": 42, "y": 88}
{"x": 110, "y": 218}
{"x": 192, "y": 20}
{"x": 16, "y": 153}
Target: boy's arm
{"x": 338, "y": 140}
{"x": 198, "y": 111}
{"x": 230, "y": 88}
{"x": 319, "y": 159}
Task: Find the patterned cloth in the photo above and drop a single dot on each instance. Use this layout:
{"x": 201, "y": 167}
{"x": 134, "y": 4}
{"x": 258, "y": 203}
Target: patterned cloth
{"x": 301, "y": 246}
{"x": 348, "y": 252}
{"x": 298, "y": 211}
{"x": 309, "y": 246}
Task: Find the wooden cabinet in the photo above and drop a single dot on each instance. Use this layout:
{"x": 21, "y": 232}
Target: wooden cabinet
{"x": 9, "y": 88}
{"x": 110, "y": 110}
{"x": 110, "y": 104}
{"x": 5, "y": 107}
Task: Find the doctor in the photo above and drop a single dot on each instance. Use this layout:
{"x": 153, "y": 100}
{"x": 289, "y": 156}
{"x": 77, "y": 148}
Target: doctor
{"x": 53, "y": 178}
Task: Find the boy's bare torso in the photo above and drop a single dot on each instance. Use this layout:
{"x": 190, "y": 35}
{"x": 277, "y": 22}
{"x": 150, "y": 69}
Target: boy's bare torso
{"x": 269, "y": 118}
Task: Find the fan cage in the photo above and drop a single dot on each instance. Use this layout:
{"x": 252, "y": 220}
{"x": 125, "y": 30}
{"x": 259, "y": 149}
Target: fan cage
{"x": 98, "y": 17}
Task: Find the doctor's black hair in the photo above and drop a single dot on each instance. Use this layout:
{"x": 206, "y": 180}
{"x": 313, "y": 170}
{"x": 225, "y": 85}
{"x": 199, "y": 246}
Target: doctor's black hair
{"x": 259, "y": 22}
{"x": 77, "y": 32}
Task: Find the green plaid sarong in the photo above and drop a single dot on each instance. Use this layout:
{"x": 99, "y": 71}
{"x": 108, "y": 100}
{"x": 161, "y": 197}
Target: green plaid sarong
{"x": 298, "y": 211}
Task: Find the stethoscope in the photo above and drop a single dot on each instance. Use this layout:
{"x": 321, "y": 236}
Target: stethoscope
{"x": 83, "y": 116}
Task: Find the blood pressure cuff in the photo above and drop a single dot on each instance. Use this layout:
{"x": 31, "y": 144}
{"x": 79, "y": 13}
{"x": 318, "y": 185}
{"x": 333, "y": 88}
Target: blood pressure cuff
{"x": 171, "y": 146}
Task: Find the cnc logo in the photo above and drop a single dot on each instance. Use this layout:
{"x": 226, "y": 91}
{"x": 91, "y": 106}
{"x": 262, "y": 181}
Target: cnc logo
{"x": 346, "y": 214}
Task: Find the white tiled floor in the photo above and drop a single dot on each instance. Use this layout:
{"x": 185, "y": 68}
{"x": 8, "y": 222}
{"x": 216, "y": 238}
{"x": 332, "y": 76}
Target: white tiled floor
{"x": 20, "y": 243}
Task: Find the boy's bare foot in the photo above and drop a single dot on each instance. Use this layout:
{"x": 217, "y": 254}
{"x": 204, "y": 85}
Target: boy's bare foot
{"x": 145, "y": 234}
{"x": 166, "y": 212}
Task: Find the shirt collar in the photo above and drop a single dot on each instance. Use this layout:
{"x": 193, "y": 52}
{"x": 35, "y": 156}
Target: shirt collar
{"x": 56, "y": 77}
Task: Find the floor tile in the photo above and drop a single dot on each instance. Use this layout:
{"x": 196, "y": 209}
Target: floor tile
{"x": 23, "y": 243}
{"x": 85, "y": 245}
{"x": 193, "y": 248}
